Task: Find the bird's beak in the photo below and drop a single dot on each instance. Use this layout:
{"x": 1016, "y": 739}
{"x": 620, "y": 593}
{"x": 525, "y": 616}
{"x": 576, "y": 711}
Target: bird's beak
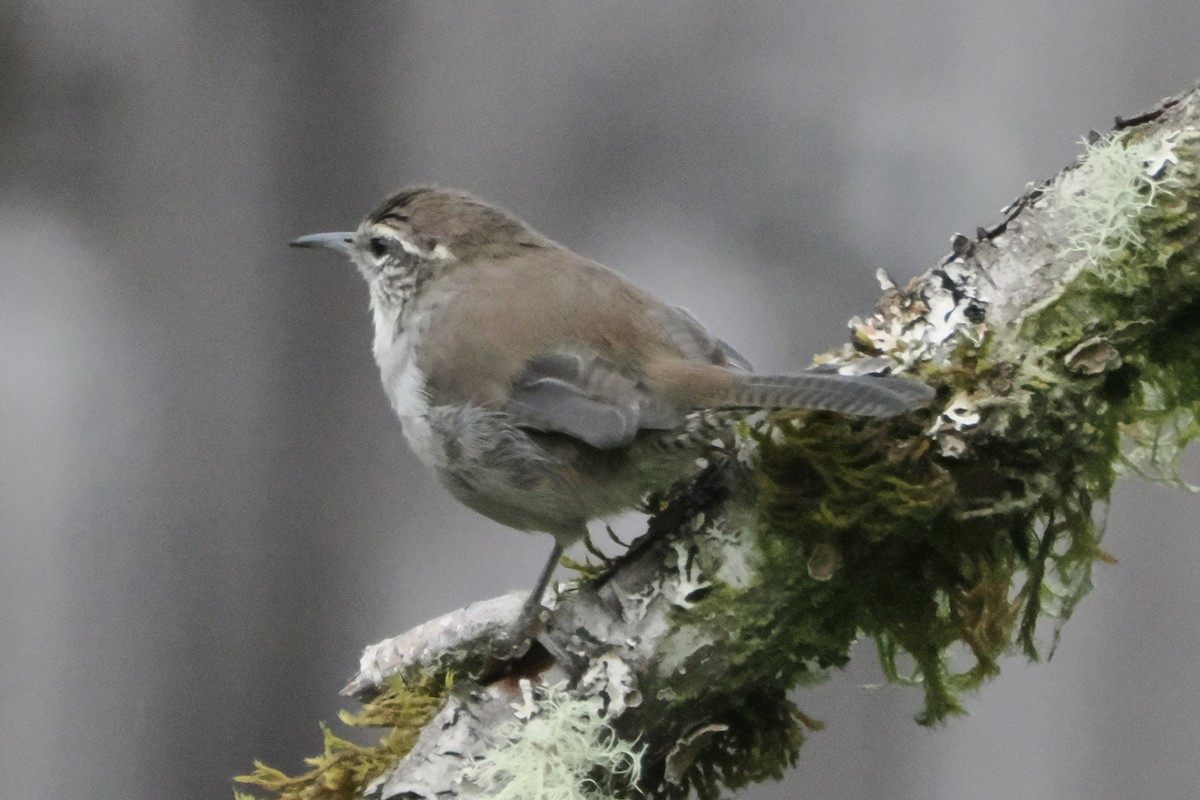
{"x": 341, "y": 241}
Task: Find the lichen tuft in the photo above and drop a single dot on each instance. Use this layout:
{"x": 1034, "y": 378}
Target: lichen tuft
{"x": 1099, "y": 202}
{"x": 565, "y": 750}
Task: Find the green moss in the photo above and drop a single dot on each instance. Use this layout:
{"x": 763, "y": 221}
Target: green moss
{"x": 344, "y": 768}
{"x": 763, "y": 738}
{"x": 878, "y": 500}
{"x": 1151, "y": 292}
{"x": 949, "y": 562}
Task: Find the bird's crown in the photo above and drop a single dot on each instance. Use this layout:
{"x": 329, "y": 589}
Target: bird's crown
{"x": 444, "y": 224}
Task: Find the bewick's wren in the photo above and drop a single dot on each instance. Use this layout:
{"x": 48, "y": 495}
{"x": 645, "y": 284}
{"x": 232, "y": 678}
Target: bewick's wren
{"x": 544, "y": 388}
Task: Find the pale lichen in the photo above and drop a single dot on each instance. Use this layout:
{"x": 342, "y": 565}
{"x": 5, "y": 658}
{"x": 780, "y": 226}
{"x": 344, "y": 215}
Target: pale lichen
{"x": 556, "y": 753}
{"x": 1097, "y": 204}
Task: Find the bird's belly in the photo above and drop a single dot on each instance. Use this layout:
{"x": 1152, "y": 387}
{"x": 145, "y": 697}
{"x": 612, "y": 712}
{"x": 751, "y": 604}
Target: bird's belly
{"x": 530, "y": 480}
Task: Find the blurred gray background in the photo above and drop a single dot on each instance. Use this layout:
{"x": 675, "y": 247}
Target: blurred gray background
{"x": 206, "y": 507}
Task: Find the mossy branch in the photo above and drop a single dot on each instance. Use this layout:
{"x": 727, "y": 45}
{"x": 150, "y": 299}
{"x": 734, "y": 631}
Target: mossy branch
{"x": 1064, "y": 342}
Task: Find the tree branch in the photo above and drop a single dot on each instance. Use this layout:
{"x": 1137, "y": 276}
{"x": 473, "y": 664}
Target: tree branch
{"x": 1064, "y": 342}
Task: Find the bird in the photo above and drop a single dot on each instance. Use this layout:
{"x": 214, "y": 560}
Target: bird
{"x": 545, "y": 389}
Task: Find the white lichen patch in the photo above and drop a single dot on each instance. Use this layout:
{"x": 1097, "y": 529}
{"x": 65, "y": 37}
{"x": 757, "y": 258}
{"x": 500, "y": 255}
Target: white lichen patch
{"x": 687, "y": 579}
{"x": 636, "y": 605}
{"x": 962, "y": 412}
{"x": 745, "y": 449}
{"x": 947, "y": 315}
{"x": 910, "y": 331}
{"x": 554, "y": 752}
{"x": 527, "y": 707}
{"x": 611, "y": 678}
{"x": 681, "y": 648}
{"x": 885, "y": 281}
{"x": 731, "y": 553}
{"x": 1097, "y": 204}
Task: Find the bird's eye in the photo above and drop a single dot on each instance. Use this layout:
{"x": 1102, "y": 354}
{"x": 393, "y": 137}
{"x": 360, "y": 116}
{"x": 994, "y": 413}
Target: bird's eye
{"x": 378, "y": 246}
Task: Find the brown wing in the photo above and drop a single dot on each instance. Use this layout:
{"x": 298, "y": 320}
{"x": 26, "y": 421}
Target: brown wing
{"x": 584, "y": 396}
{"x": 544, "y": 321}
{"x": 694, "y": 341}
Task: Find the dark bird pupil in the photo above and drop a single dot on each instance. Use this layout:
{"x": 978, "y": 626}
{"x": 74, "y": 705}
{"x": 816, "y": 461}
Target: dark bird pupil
{"x": 378, "y": 247}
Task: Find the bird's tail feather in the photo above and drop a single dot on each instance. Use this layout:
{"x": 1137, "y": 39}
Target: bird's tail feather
{"x": 860, "y": 395}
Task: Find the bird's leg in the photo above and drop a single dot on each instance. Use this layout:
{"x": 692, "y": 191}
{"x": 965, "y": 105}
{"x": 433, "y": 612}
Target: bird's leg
{"x": 533, "y": 605}
{"x": 513, "y": 644}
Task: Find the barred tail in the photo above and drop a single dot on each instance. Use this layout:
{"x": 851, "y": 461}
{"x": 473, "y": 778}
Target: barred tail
{"x": 859, "y": 395}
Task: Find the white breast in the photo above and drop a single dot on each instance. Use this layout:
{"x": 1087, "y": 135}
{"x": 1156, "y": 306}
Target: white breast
{"x": 405, "y": 385}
